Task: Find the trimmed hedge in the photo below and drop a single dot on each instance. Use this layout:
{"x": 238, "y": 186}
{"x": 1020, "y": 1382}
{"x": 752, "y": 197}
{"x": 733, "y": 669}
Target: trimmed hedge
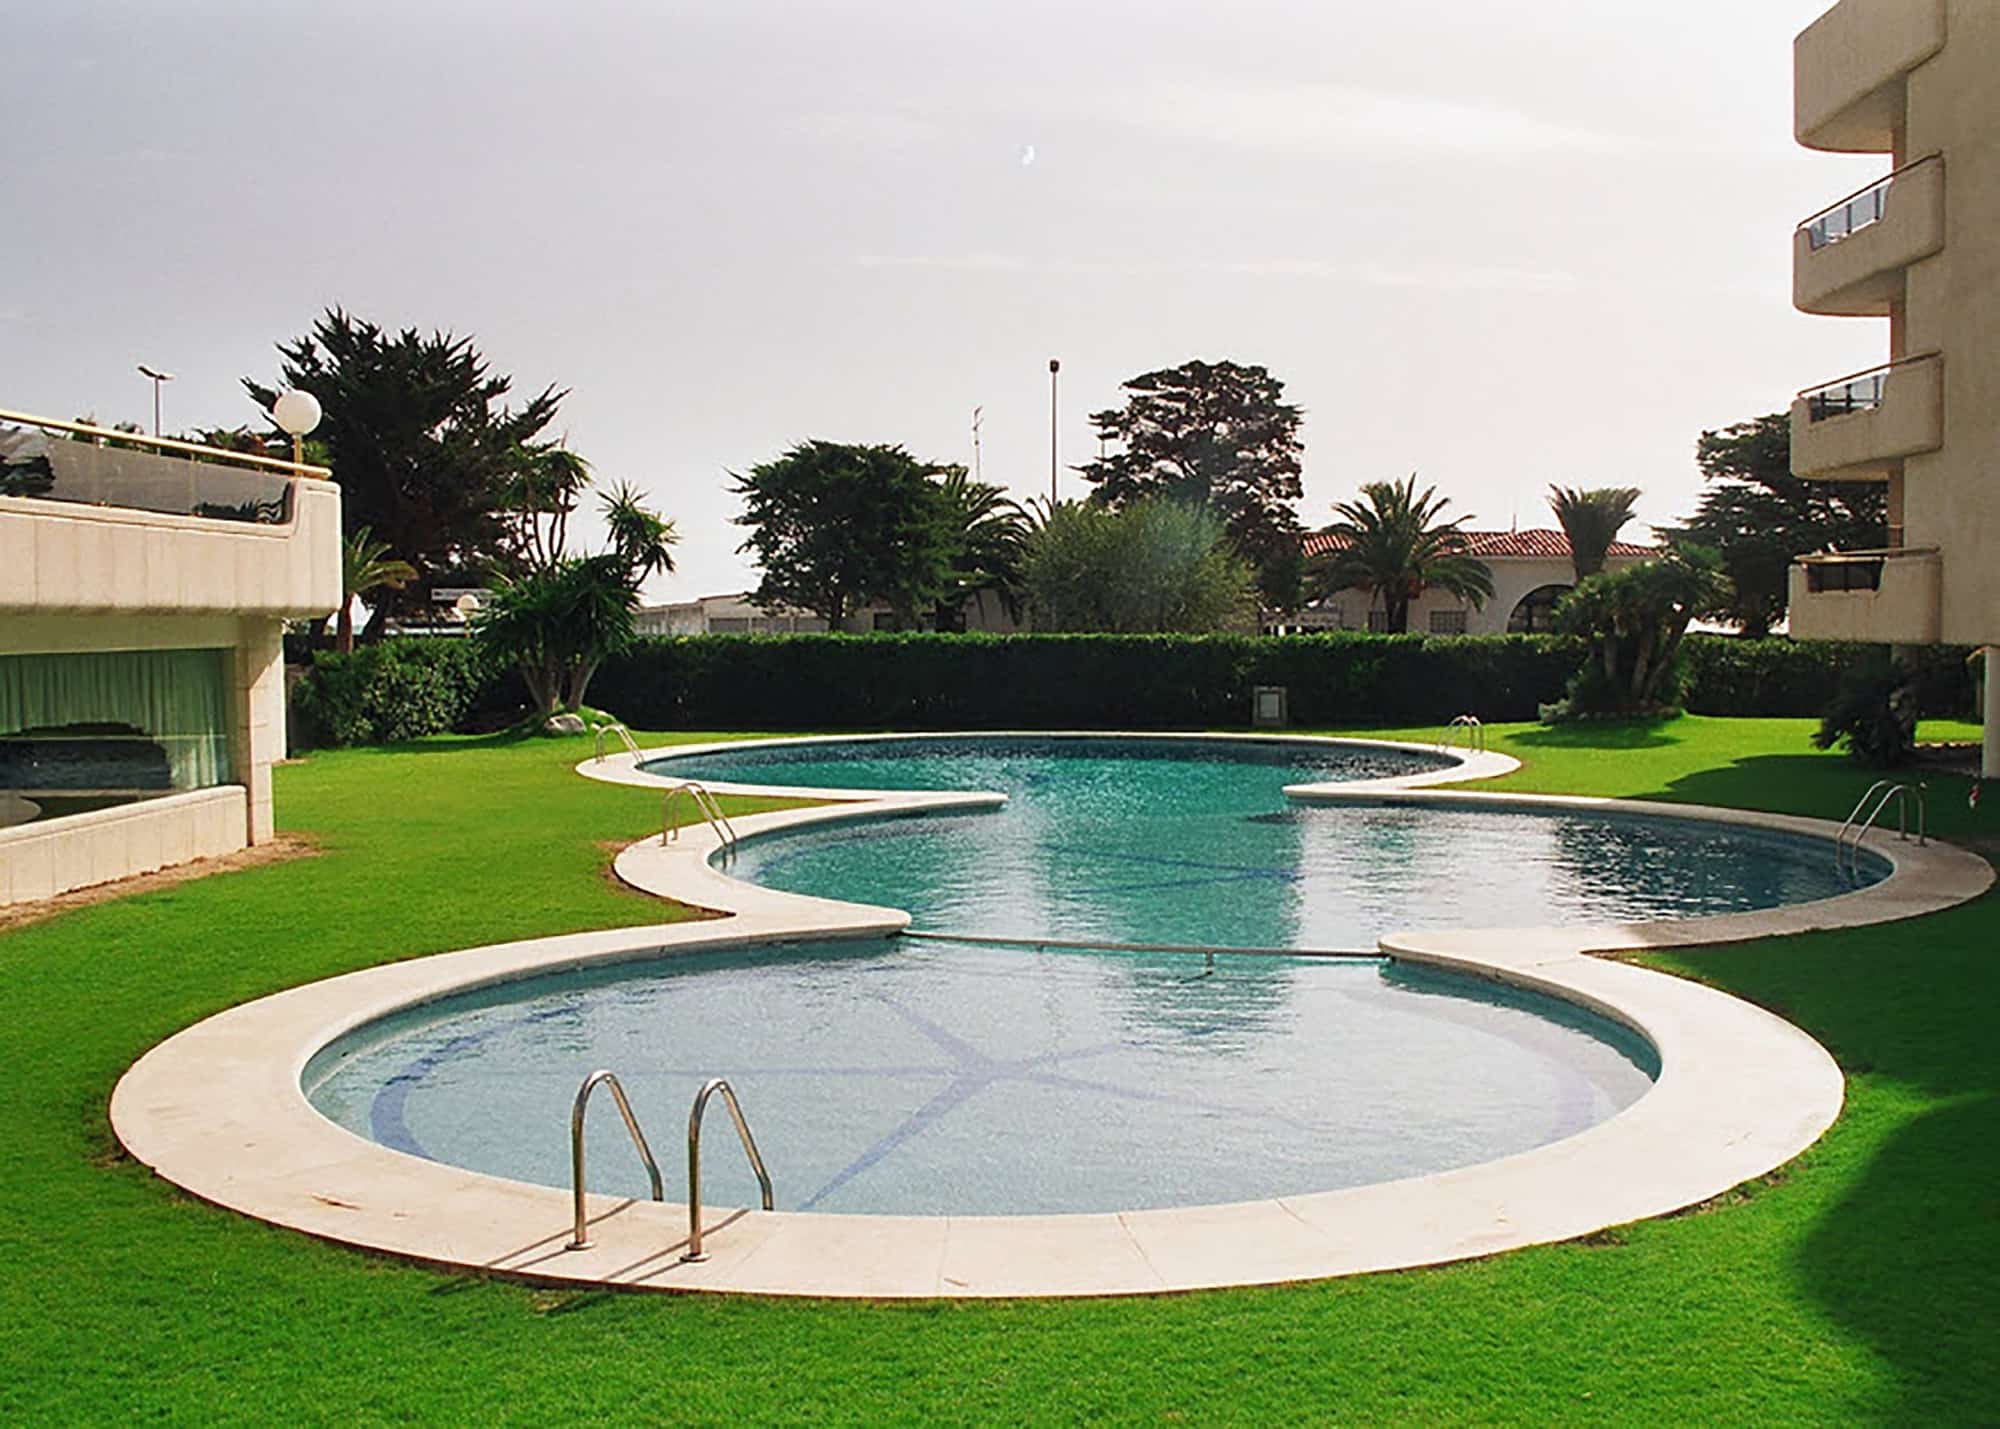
{"x": 397, "y": 690}
{"x": 403, "y": 689}
{"x": 1077, "y": 681}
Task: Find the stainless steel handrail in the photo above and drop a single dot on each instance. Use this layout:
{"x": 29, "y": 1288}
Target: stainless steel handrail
{"x": 1887, "y": 790}
{"x": 580, "y": 1237}
{"x": 708, "y": 1089}
{"x": 1881, "y": 368}
{"x": 220, "y": 455}
{"x": 1475, "y": 733}
{"x": 705, "y": 803}
{"x": 624, "y": 737}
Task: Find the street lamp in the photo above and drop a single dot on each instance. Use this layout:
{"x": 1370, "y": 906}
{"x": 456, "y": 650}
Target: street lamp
{"x": 297, "y": 413}
{"x": 1054, "y": 368}
{"x": 156, "y": 377}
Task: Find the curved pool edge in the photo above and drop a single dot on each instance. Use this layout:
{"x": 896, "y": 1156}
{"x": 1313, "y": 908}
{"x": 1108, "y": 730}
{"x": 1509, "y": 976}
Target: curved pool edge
{"x": 219, "y": 1110}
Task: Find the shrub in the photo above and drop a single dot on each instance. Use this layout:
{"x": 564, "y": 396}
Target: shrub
{"x": 397, "y": 690}
{"x": 913, "y": 681}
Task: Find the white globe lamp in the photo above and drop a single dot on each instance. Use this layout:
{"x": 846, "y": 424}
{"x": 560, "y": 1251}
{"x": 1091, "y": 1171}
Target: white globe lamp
{"x": 296, "y": 413}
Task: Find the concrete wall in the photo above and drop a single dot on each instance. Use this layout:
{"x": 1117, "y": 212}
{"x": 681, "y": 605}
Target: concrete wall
{"x": 1951, "y": 497}
{"x": 1848, "y": 68}
{"x": 43, "y": 859}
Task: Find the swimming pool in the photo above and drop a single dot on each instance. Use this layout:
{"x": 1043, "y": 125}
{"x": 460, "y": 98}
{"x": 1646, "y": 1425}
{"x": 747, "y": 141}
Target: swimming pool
{"x": 1180, "y": 841}
{"x": 948, "y": 1077}
{"x": 937, "y": 1078}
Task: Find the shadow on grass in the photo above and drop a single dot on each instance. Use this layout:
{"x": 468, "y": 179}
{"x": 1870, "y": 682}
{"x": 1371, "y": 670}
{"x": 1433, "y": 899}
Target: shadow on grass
{"x": 1600, "y": 734}
{"x": 1905, "y": 1256}
{"x": 1909, "y": 1260}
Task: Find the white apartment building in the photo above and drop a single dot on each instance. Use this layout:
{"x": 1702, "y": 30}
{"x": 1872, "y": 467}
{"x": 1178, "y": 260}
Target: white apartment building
{"x": 144, "y": 586}
{"x": 1918, "y": 82}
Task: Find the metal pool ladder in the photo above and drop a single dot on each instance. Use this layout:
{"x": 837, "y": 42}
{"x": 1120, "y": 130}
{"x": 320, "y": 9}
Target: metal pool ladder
{"x": 705, "y": 803}
{"x": 1475, "y": 734}
{"x": 624, "y": 738}
{"x": 708, "y": 1089}
{"x": 1881, "y": 793}
{"x": 580, "y": 1235}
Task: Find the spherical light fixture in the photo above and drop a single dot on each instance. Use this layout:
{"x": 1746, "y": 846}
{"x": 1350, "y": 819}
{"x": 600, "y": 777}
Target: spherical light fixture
{"x": 296, "y": 412}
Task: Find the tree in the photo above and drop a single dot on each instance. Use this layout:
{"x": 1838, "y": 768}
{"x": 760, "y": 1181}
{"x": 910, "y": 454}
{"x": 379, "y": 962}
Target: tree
{"x": 427, "y": 454}
{"x": 365, "y": 567}
{"x": 1592, "y": 520}
{"x": 835, "y": 526}
{"x": 1393, "y": 541}
{"x": 1759, "y": 518}
{"x": 1155, "y": 566}
{"x": 990, "y": 535}
{"x": 1635, "y": 620}
{"x": 558, "y": 621}
{"x": 1216, "y": 435}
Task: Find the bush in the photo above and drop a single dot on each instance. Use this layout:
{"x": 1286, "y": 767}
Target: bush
{"x": 916, "y": 681}
{"x": 398, "y": 690}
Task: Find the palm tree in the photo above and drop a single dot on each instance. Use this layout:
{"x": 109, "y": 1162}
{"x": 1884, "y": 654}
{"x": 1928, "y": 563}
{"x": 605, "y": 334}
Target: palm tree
{"x": 363, "y": 571}
{"x": 991, "y": 533}
{"x": 1394, "y": 541}
{"x": 1592, "y": 520}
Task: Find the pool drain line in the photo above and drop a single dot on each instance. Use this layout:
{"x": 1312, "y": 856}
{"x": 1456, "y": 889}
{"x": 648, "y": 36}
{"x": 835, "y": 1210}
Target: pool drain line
{"x": 988, "y": 940}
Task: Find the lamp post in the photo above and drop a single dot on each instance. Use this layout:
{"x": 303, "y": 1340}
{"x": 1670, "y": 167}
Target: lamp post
{"x": 296, "y": 413}
{"x": 156, "y": 377}
{"x": 1054, "y": 368}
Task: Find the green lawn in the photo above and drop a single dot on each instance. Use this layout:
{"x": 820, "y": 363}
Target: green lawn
{"x": 1860, "y": 1283}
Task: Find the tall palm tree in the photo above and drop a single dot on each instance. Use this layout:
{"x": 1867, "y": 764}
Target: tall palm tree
{"x": 1394, "y": 541}
{"x": 991, "y": 534}
{"x": 1592, "y": 520}
{"x": 363, "y": 571}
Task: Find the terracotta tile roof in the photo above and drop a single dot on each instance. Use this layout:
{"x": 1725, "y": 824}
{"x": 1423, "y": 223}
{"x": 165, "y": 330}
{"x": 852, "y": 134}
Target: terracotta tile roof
{"x": 1489, "y": 545}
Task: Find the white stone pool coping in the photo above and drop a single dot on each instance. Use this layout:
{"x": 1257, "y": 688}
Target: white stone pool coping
{"x": 219, "y": 1109}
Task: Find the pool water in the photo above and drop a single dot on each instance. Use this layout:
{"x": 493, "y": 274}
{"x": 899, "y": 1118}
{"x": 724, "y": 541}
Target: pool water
{"x": 946, "y": 1077}
{"x": 1169, "y": 842}
{"x": 932, "y": 1078}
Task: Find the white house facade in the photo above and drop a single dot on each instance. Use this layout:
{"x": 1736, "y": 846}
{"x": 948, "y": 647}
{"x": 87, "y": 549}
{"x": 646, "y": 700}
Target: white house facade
{"x": 1531, "y": 571}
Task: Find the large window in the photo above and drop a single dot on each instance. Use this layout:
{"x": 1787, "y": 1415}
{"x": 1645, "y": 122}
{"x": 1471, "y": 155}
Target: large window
{"x": 1536, "y": 613}
{"x": 81, "y": 732}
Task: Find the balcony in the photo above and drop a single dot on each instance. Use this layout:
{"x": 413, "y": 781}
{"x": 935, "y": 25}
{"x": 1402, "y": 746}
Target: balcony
{"x": 1861, "y": 427}
{"x": 1886, "y": 597}
{"x": 1849, "y": 67}
{"x": 100, "y": 521}
{"x": 1849, "y": 260}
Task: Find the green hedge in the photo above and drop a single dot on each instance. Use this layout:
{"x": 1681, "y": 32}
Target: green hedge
{"x": 1727, "y": 676}
{"x": 403, "y": 689}
{"x": 1081, "y": 681}
{"x": 397, "y": 690}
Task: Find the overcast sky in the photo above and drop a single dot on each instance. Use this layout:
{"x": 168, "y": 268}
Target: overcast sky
{"x": 1497, "y": 242}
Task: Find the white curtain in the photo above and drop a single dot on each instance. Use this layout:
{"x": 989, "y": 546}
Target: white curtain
{"x": 178, "y": 698}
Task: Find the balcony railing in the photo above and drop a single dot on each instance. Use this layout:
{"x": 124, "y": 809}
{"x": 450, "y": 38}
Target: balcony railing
{"x": 87, "y": 465}
{"x": 1887, "y": 596}
{"x": 1862, "y": 392}
{"x": 1852, "y": 214}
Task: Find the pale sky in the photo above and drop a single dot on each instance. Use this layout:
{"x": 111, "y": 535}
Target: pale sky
{"x": 1497, "y": 242}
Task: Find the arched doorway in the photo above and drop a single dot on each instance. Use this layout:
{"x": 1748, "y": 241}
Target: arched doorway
{"x": 1534, "y": 614}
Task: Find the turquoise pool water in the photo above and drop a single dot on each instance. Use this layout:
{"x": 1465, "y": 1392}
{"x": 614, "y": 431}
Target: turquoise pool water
{"x": 943, "y": 1079}
{"x": 951, "y": 1078}
{"x": 1172, "y": 842}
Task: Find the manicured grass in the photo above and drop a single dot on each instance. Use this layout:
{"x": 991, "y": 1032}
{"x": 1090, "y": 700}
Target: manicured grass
{"x": 1860, "y": 1283}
